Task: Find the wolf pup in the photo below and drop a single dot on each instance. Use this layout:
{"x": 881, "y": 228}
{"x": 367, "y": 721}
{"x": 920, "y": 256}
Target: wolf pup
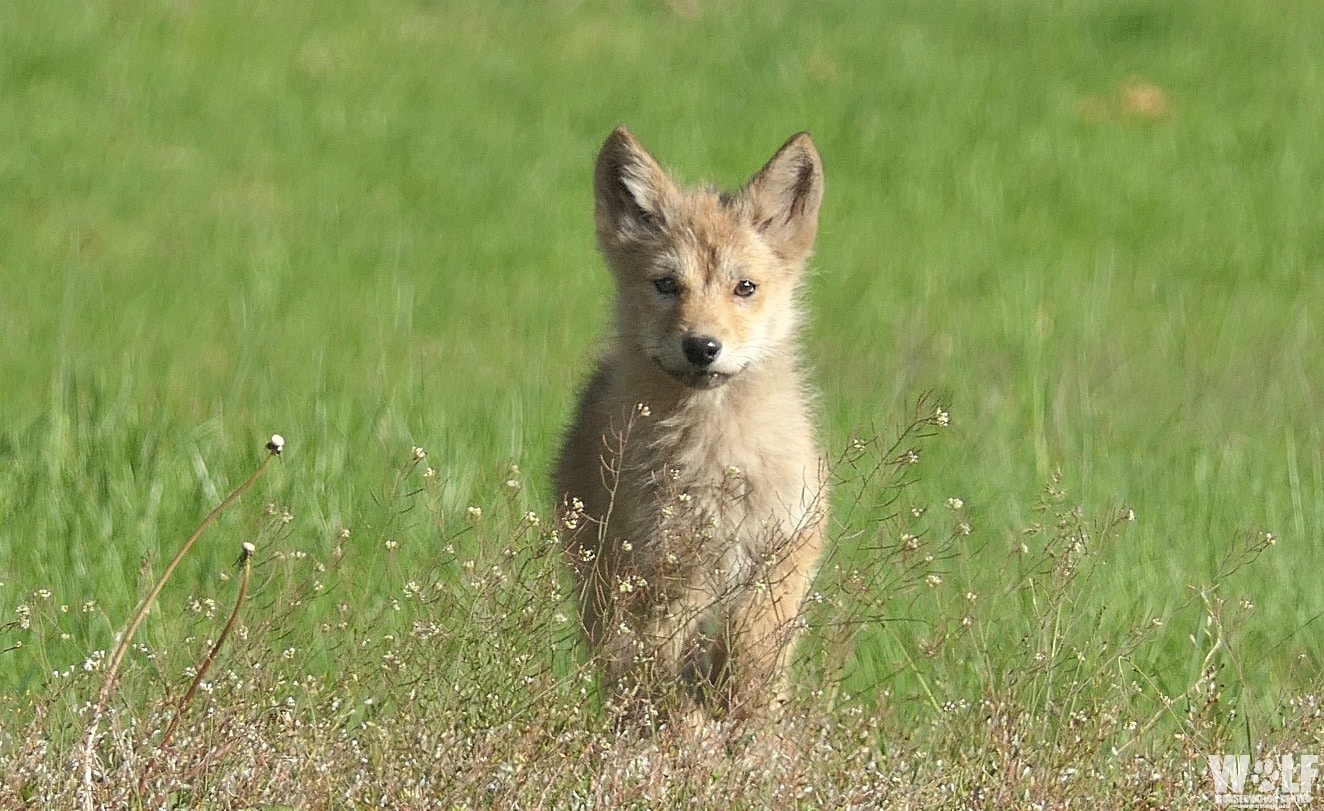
{"x": 694, "y": 490}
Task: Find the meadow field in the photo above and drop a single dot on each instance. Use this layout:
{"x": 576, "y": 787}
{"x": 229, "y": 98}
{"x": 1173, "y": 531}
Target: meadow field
{"x": 1065, "y": 319}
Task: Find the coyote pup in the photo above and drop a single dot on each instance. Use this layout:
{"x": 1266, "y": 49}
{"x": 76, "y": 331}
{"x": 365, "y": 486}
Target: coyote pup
{"x": 694, "y": 490}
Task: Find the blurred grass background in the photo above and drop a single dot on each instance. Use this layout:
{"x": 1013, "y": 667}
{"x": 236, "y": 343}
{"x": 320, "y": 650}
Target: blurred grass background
{"x": 1096, "y": 228}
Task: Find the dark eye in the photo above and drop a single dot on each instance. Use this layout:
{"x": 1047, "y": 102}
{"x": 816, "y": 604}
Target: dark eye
{"x": 745, "y": 288}
{"x": 667, "y": 285}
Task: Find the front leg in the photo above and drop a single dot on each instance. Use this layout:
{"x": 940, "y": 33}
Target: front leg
{"x": 651, "y": 653}
{"x": 765, "y": 624}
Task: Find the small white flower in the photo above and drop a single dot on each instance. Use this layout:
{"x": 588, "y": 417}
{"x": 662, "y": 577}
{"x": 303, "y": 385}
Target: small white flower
{"x": 941, "y": 418}
{"x": 474, "y": 513}
{"x": 955, "y": 503}
{"x": 276, "y": 444}
{"x": 418, "y": 454}
{"x": 933, "y": 580}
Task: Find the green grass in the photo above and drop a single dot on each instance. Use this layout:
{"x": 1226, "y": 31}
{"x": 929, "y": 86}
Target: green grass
{"x": 368, "y": 227}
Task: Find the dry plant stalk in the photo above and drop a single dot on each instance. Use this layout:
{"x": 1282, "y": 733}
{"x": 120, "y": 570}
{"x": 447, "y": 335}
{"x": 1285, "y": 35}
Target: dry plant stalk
{"x": 274, "y": 447}
{"x": 245, "y": 564}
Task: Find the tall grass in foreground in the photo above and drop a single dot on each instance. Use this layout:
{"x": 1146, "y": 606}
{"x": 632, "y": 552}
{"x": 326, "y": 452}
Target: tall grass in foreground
{"x": 465, "y": 687}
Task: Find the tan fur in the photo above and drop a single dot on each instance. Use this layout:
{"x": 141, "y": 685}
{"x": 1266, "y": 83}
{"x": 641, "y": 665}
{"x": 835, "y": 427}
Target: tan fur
{"x": 702, "y": 487}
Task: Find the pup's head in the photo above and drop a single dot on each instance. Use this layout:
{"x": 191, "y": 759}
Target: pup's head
{"x": 706, "y": 280}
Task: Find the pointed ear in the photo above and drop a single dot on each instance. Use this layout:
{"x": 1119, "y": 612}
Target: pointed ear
{"x": 631, "y": 190}
{"x": 783, "y": 198}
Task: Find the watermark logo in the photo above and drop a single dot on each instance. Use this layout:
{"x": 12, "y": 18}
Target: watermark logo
{"x": 1286, "y": 781}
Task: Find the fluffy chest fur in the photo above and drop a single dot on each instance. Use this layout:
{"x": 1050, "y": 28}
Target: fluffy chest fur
{"x": 713, "y": 482}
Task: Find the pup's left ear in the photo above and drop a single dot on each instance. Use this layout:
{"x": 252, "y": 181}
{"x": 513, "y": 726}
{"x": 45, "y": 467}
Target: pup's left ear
{"x": 783, "y": 198}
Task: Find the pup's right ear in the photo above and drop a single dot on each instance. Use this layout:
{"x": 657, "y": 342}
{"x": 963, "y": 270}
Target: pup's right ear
{"x": 631, "y": 190}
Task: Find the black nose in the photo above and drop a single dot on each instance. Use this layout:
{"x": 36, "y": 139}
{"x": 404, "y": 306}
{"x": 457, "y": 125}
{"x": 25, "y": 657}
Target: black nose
{"x": 701, "y": 350}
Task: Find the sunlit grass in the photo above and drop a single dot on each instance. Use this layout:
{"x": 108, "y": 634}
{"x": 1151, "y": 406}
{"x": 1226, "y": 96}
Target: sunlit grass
{"x": 1095, "y": 230}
